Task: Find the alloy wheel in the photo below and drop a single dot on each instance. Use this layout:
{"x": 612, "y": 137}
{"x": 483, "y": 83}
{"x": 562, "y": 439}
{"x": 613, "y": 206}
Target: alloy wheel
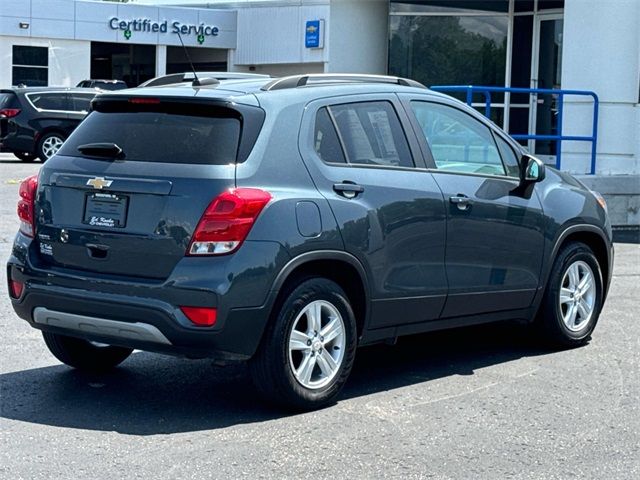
{"x": 577, "y": 296}
{"x": 51, "y": 145}
{"x": 317, "y": 344}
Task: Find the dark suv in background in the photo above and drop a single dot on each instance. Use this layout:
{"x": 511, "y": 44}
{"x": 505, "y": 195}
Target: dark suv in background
{"x": 35, "y": 121}
{"x": 287, "y": 221}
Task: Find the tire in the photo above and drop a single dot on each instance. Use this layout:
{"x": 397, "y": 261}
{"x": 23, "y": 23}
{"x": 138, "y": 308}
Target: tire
{"x": 277, "y": 369}
{"x": 49, "y": 144}
{"x": 25, "y": 157}
{"x": 556, "y": 324}
{"x": 84, "y": 355}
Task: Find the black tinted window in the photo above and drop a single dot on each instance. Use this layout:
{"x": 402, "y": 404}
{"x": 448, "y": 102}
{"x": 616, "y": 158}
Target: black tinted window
{"x": 110, "y": 85}
{"x": 160, "y": 137}
{"x": 33, "y": 56}
{"x": 80, "y": 102}
{"x": 30, "y": 76}
{"x": 7, "y": 100}
{"x": 49, "y": 101}
{"x": 372, "y": 134}
{"x": 325, "y": 139}
{"x": 509, "y": 157}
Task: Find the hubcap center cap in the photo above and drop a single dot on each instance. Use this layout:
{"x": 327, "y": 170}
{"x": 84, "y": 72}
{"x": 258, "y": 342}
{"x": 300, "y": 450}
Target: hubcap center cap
{"x": 316, "y": 346}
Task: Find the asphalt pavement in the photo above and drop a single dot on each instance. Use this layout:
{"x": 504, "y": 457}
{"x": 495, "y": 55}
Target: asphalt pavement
{"x": 481, "y": 402}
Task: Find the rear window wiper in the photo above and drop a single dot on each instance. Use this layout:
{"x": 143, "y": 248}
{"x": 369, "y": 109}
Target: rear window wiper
{"x": 107, "y": 150}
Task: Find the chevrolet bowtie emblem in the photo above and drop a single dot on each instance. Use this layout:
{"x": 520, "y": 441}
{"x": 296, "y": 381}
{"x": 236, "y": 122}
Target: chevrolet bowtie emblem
{"x": 99, "y": 182}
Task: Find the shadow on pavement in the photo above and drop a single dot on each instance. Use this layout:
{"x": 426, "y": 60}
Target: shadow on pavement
{"x": 13, "y": 159}
{"x": 153, "y": 394}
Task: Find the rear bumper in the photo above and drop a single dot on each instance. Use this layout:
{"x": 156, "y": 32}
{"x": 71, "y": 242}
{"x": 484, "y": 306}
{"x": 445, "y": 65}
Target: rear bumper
{"x": 14, "y": 143}
{"x": 137, "y": 331}
{"x": 146, "y": 316}
{"x": 142, "y": 324}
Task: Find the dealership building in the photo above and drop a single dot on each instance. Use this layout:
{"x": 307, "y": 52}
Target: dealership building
{"x": 586, "y": 45}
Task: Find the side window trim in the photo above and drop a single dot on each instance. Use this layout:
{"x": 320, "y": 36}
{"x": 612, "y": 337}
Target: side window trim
{"x": 338, "y": 133}
{"x": 423, "y": 147}
{"x": 504, "y": 165}
{"x": 65, "y": 94}
{"x": 517, "y": 152}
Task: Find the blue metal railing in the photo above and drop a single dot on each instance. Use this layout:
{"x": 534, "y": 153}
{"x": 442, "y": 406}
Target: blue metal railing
{"x": 470, "y": 90}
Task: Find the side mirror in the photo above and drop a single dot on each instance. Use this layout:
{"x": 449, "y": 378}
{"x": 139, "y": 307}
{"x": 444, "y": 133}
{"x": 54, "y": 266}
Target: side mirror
{"x": 532, "y": 169}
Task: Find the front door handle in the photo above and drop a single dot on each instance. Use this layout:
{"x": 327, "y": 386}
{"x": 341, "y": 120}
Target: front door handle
{"x": 348, "y": 189}
{"x": 461, "y": 201}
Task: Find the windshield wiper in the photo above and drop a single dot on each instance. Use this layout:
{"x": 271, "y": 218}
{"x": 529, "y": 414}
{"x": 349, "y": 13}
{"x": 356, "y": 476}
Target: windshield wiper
{"x": 107, "y": 150}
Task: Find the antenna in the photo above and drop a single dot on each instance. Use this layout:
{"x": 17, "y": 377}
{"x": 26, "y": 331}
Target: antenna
{"x": 196, "y": 81}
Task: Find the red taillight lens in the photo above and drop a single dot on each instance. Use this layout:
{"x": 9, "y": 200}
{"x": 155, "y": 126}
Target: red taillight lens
{"x": 26, "y": 205}
{"x": 201, "y": 316}
{"x": 15, "y": 288}
{"x": 227, "y": 220}
{"x": 9, "y": 112}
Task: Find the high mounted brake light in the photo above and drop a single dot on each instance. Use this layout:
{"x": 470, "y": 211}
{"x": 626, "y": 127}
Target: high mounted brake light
{"x": 227, "y": 221}
{"x": 145, "y": 101}
{"x": 26, "y": 205}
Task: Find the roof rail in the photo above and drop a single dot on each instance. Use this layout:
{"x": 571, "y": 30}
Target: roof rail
{"x": 295, "y": 81}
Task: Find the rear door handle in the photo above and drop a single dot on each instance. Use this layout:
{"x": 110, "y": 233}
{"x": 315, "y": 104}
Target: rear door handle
{"x": 348, "y": 189}
{"x": 461, "y": 201}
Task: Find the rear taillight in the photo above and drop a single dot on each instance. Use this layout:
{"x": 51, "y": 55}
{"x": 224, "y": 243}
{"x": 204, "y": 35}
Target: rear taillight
{"x": 227, "y": 220}
{"x": 9, "y": 112}
{"x": 26, "y": 205}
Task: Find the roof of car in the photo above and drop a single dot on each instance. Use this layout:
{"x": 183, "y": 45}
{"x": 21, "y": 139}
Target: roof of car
{"x": 47, "y": 89}
{"x": 319, "y": 86}
{"x": 101, "y": 80}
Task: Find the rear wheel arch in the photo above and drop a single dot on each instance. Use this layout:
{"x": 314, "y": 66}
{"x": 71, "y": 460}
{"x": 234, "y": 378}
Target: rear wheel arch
{"x": 48, "y": 130}
{"x": 340, "y": 267}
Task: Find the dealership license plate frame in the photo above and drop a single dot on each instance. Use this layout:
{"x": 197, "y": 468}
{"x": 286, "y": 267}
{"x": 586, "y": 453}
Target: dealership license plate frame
{"x": 107, "y": 210}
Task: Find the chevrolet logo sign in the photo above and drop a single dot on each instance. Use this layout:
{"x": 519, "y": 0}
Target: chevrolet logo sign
{"x": 99, "y": 182}
{"x": 312, "y": 28}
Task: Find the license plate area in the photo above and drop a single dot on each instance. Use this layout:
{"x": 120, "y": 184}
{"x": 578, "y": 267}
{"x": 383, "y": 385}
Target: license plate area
{"x": 107, "y": 210}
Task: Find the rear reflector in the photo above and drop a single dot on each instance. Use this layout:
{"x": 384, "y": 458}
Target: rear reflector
{"x": 227, "y": 220}
{"x": 26, "y": 205}
{"x": 201, "y": 316}
{"x": 9, "y": 112}
{"x": 15, "y": 288}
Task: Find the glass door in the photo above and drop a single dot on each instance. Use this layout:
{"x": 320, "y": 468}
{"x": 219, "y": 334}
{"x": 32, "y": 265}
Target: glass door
{"x": 546, "y": 71}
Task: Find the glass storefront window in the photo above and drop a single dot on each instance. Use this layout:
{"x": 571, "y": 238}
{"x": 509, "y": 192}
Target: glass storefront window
{"x": 30, "y": 66}
{"x": 132, "y": 63}
{"x": 448, "y": 6}
{"x": 456, "y": 50}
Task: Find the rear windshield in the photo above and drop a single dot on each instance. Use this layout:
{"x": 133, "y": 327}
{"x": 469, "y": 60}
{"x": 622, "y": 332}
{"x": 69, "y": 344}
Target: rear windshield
{"x": 6, "y": 100}
{"x": 160, "y": 137}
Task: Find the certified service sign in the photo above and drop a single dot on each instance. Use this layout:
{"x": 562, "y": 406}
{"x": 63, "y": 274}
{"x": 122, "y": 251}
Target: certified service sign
{"x": 314, "y": 34}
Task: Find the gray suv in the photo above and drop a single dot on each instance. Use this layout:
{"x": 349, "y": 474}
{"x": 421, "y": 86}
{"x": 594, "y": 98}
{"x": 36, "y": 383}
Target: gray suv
{"x": 285, "y": 222}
